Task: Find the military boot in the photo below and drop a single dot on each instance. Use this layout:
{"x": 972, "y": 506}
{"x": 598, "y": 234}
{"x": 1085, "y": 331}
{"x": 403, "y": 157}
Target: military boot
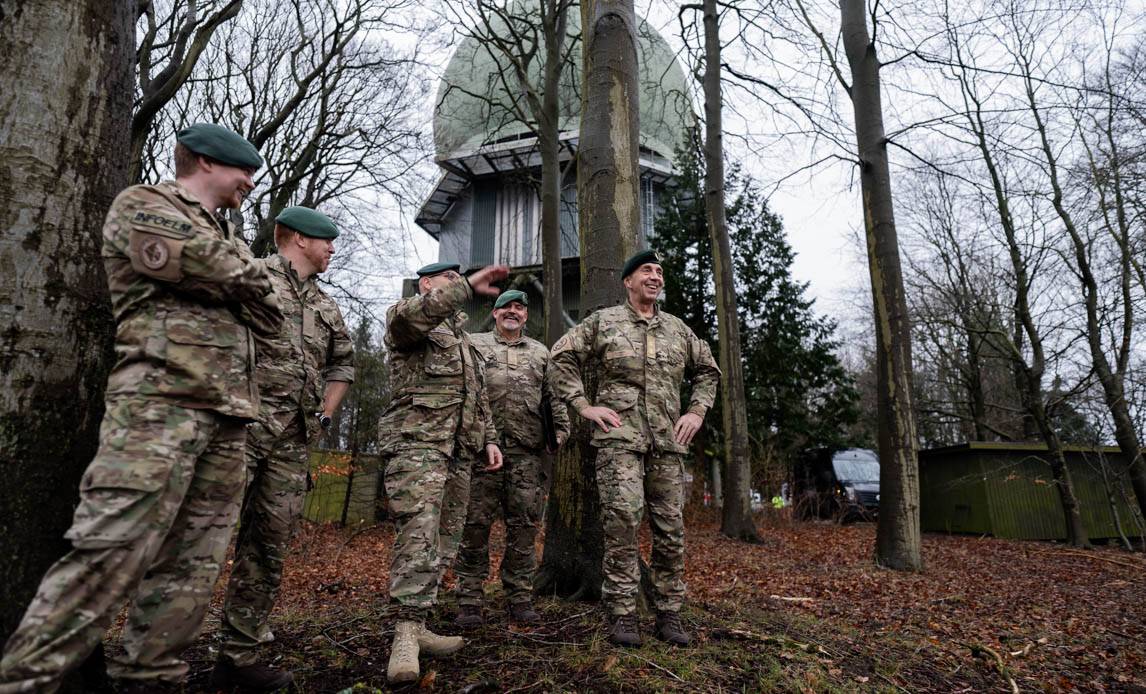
{"x": 469, "y": 616}
{"x": 248, "y": 678}
{"x": 523, "y": 613}
{"x": 670, "y": 630}
{"x": 623, "y": 631}
{"x": 403, "y": 667}
{"x": 433, "y": 644}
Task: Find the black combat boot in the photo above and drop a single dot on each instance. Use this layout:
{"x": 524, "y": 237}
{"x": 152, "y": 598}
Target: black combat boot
{"x": 670, "y": 630}
{"x": 248, "y": 678}
{"x": 623, "y": 631}
{"x": 469, "y": 616}
{"x": 523, "y": 613}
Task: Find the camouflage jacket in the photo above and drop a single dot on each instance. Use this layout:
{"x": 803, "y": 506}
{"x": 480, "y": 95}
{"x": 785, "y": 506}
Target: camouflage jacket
{"x": 312, "y": 348}
{"x": 186, "y": 293}
{"x": 516, "y": 379}
{"x": 437, "y": 379}
{"x": 640, "y": 364}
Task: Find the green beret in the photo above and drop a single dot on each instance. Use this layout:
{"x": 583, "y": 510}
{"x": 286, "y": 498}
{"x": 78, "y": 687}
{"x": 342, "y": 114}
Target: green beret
{"x": 511, "y": 295}
{"x": 639, "y": 259}
{"x": 220, "y": 144}
{"x": 308, "y": 222}
{"x": 437, "y": 269}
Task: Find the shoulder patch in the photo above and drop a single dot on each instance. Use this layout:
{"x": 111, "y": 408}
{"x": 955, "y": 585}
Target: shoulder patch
{"x": 153, "y": 253}
{"x": 160, "y": 224}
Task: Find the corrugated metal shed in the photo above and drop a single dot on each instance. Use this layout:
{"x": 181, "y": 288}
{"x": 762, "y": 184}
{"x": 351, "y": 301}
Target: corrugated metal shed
{"x": 1008, "y": 490}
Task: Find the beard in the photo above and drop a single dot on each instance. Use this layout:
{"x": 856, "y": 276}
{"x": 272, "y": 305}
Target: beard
{"x": 234, "y": 201}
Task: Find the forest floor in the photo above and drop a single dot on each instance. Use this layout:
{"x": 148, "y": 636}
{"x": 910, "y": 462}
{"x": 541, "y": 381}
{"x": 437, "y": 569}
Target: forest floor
{"x": 807, "y": 611}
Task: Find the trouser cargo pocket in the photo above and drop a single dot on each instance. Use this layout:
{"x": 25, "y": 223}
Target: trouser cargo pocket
{"x": 121, "y": 490}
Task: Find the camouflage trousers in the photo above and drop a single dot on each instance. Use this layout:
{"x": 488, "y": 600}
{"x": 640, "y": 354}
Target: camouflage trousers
{"x": 157, "y": 507}
{"x": 428, "y": 492}
{"x": 514, "y": 492}
{"x": 272, "y": 505}
{"x": 627, "y": 482}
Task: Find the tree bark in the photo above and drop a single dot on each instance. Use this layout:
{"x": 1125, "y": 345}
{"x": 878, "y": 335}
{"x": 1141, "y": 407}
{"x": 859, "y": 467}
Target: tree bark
{"x": 607, "y": 190}
{"x": 736, "y": 516}
{"x": 897, "y": 533}
{"x": 65, "y": 110}
{"x": 548, "y": 136}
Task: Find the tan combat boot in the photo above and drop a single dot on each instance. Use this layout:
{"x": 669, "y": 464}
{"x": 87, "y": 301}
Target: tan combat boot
{"x": 433, "y": 644}
{"x": 403, "y": 666}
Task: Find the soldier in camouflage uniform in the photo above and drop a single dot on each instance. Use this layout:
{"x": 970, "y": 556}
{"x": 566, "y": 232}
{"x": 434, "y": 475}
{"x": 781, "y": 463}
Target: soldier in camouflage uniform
{"x": 303, "y": 373}
{"x": 516, "y": 369}
{"x": 438, "y": 422}
{"x": 642, "y": 354}
{"x": 159, "y": 501}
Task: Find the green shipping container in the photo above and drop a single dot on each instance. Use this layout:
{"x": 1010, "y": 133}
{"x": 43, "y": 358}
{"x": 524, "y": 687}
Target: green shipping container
{"x": 1007, "y": 490}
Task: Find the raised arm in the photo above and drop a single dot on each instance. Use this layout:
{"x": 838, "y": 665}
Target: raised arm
{"x": 410, "y": 320}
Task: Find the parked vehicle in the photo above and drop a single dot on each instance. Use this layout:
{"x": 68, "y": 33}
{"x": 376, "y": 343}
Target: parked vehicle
{"x": 838, "y": 483}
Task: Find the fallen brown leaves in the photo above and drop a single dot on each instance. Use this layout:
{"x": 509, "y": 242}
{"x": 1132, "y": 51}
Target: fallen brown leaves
{"x": 1055, "y": 619}
{"x": 984, "y": 614}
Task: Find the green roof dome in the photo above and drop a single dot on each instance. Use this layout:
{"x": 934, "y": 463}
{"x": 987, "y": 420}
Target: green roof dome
{"x": 474, "y": 108}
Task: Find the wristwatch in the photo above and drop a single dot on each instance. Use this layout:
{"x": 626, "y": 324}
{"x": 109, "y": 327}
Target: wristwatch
{"x": 323, "y": 420}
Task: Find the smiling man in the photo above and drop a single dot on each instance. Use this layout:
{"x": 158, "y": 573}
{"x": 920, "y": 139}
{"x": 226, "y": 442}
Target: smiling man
{"x": 159, "y": 501}
{"x": 303, "y": 373}
{"x": 641, "y": 436}
{"x": 517, "y": 382}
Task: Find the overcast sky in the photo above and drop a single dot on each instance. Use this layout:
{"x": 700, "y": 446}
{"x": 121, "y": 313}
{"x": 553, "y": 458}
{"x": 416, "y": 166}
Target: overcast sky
{"x": 819, "y": 207}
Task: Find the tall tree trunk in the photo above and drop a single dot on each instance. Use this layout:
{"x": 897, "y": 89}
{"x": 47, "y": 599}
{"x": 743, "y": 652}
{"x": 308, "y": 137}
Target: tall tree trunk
{"x": 897, "y": 534}
{"x": 65, "y": 107}
{"x": 1125, "y": 432}
{"x": 1111, "y": 383}
{"x": 1064, "y": 482}
{"x": 549, "y": 133}
{"x": 1028, "y": 376}
{"x": 1111, "y": 376}
{"x": 736, "y": 518}
{"x": 607, "y": 190}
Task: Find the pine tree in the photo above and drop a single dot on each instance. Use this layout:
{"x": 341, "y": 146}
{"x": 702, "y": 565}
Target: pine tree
{"x": 799, "y": 395}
